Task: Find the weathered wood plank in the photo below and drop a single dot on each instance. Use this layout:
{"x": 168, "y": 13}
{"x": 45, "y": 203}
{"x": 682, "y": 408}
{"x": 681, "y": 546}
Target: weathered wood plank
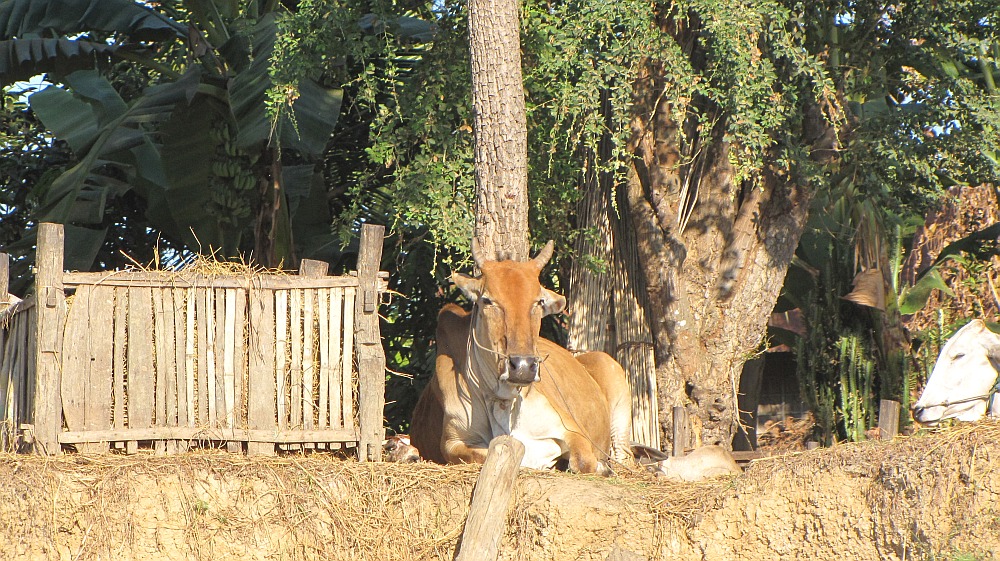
{"x": 101, "y": 353}
{"x": 312, "y": 269}
{"x": 8, "y": 389}
{"x": 226, "y": 324}
{"x": 49, "y": 325}
{"x": 211, "y": 358}
{"x": 323, "y": 304}
{"x": 261, "y": 389}
{"x": 86, "y": 370}
{"x": 265, "y": 438}
{"x": 370, "y": 354}
{"x": 280, "y": 348}
{"x": 139, "y": 371}
{"x": 76, "y": 361}
{"x": 4, "y": 279}
{"x": 347, "y": 364}
{"x": 219, "y": 297}
{"x": 296, "y": 367}
{"x": 29, "y": 368}
{"x": 160, "y": 366}
{"x": 164, "y": 279}
{"x": 487, "y": 520}
{"x": 118, "y": 356}
{"x": 241, "y": 359}
{"x": 336, "y": 359}
{"x": 888, "y": 419}
{"x": 190, "y": 355}
{"x": 308, "y": 360}
{"x": 169, "y": 364}
{"x": 229, "y": 357}
{"x": 201, "y": 345}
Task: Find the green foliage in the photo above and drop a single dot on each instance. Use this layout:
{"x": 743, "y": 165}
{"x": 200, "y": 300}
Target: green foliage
{"x": 188, "y": 136}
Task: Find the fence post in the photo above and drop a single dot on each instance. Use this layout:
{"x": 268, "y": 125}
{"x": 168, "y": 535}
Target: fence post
{"x": 487, "y": 519}
{"x": 51, "y": 304}
{"x": 368, "y": 344}
{"x": 4, "y": 277}
{"x": 680, "y": 431}
{"x": 888, "y": 419}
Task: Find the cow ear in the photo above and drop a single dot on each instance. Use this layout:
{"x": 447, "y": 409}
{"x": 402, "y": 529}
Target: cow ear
{"x": 553, "y": 303}
{"x": 471, "y": 287}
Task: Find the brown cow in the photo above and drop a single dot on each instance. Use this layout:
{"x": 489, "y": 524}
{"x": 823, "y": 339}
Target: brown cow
{"x": 495, "y": 375}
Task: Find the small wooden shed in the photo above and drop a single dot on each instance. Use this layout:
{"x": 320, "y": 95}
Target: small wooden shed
{"x": 169, "y": 360}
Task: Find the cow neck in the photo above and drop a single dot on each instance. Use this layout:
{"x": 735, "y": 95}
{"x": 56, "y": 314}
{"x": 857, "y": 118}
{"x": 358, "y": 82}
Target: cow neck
{"x": 482, "y": 372}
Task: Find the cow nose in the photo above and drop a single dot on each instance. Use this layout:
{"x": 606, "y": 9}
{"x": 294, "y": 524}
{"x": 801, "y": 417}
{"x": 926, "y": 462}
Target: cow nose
{"x": 522, "y": 369}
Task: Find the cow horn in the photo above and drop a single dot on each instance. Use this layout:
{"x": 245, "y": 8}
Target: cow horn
{"x": 477, "y": 251}
{"x": 543, "y": 256}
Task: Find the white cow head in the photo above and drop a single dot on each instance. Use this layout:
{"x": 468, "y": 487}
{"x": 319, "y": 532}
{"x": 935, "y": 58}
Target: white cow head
{"x": 964, "y": 382}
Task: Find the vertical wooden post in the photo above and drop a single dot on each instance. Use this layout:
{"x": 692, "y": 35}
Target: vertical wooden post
{"x": 888, "y": 419}
{"x": 368, "y": 343}
{"x": 51, "y": 305}
{"x": 680, "y": 431}
{"x": 4, "y": 277}
{"x": 490, "y": 500}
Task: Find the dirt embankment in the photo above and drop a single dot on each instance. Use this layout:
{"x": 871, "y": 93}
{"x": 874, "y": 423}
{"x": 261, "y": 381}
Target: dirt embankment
{"x": 934, "y": 496}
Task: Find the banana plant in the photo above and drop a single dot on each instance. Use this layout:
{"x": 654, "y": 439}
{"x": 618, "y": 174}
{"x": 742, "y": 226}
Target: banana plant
{"x": 198, "y": 144}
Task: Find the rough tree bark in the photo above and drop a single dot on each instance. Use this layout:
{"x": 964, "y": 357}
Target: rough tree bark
{"x": 501, "y": 133}
{"x": 712, "y": 284}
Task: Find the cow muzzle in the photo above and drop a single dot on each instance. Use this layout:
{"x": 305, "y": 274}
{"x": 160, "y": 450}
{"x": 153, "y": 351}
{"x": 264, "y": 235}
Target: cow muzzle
{"x": 521, "y": 370}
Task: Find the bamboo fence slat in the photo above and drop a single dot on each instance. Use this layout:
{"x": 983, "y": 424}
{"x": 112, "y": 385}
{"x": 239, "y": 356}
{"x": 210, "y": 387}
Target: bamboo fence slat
{"x": 308, "y": 364}
{"x": 202, "y": 346}
{"x": 280, "y": 348}
{"x": 348, "y": 357}
{"x": 120, "y": 338}
{"x": 324, "y": 355}
{"x": 160, "y": 365}
{"x": 189, "y": 355}
{"x": 296, "y": 369}
{"x": 336, "y": 359}
{"x": 139, "y": 371}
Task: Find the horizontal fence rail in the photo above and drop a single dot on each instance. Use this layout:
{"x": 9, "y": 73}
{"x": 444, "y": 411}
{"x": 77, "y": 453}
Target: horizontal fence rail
{"x": 173, "y": 360}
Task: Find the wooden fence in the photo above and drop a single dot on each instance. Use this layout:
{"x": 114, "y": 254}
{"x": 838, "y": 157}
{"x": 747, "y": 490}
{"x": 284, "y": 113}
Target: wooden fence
{"x": 173, "y": 360}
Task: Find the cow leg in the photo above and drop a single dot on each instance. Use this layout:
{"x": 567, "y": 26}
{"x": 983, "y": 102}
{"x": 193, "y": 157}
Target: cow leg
{"x": 458, "y": 452}
{"x": 611, "y": 377}
{"x": 582, "y": 458}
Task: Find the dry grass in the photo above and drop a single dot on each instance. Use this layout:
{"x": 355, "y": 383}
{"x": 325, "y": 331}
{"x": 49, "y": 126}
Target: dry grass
{"x": 207, "y": 504}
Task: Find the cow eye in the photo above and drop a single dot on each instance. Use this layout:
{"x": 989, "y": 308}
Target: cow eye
{"x": 540, "y": 303}
{"x": 486, "y": 300}
{"x": 958, "y": 356}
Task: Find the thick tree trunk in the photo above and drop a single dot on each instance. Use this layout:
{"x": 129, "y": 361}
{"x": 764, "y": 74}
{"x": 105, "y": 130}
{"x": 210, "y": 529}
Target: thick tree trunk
{"x": 501, "y": 156}
{"x": 713, "y": 283}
